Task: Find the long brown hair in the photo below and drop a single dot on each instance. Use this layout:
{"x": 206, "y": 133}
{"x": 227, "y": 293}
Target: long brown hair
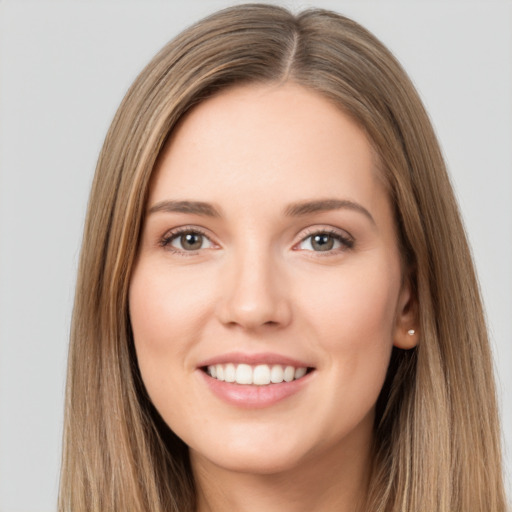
{"x": 437, "y": 441}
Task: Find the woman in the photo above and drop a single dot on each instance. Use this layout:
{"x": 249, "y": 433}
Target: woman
{"x": 276, "y": 306}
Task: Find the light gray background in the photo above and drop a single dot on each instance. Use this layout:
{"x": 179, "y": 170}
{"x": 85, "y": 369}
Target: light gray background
{"x": 64, "y": 67}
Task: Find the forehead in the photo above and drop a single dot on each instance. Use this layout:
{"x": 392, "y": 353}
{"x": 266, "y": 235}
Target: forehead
{"x": 255, "y": 139}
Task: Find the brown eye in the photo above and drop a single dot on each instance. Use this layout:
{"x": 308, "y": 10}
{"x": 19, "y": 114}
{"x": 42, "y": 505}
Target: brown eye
{"x": 326, "y": 242}
{"x": 322, "y": 242}
{"x": 186, "y": 241}
{"x": 191, "y": 241}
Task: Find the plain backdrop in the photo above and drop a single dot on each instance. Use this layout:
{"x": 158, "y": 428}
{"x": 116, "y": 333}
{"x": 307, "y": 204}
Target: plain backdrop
{"x": 64, "y": 67}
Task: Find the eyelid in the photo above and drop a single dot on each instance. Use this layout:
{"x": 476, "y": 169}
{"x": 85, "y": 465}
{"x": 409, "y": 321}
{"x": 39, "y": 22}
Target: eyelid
{"x": 343, "y": 236}
{"x": 172, "y": 234}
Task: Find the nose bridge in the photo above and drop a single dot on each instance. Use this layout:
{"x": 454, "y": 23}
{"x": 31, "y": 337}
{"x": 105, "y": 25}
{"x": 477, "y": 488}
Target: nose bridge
{"x": 254, "y": 290}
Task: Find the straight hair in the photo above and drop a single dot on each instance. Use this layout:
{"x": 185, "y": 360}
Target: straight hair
{"x": 437, "y": 438}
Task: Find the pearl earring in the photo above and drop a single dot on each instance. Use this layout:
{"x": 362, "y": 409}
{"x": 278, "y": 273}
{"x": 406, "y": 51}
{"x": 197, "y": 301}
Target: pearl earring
{"x": 411, "y": 332}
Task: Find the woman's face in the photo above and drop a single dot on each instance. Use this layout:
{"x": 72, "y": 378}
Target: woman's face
{"x": 269, "y": 258}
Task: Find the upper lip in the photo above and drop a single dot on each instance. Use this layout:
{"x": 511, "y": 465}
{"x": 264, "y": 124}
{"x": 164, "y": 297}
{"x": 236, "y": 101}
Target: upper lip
{"x": 254, "y": 359}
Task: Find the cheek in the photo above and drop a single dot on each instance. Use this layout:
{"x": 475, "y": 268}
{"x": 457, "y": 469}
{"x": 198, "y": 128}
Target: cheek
{"x": 165, "y": 313}
{"x": 354, "y": 319}
{"x": 164, "y": 316}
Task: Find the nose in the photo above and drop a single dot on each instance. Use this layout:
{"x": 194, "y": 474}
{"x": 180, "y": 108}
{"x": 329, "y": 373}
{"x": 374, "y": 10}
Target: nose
{"x": 254, "y": 293}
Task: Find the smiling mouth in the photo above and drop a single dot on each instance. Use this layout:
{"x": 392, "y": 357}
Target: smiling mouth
{"x": 258, "y": 375}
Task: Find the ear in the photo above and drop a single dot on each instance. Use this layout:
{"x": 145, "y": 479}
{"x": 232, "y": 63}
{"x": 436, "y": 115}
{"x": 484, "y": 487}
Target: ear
{"x": 406, "y": 332}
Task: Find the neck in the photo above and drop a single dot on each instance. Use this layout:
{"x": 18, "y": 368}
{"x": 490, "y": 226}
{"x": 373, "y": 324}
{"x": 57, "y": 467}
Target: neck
{"x": 333, "y": 481}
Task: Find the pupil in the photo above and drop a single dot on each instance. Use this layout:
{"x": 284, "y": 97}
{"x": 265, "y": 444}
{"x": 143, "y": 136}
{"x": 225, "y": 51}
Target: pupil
{"x": 323, "y": 242}
{"x": 191, "y": 241}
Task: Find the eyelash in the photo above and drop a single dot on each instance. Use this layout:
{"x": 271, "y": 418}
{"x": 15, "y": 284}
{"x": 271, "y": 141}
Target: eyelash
{"x": 346, "y": 241}
{"x": 170, "y": 236}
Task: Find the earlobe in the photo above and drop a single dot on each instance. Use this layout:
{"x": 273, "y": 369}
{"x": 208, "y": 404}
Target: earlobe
{"x": 406, "y": 339}
{"x": 406, "y": 335}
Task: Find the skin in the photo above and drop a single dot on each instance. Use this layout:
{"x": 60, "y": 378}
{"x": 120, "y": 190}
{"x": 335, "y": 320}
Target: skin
{"x": 257, "y": 284}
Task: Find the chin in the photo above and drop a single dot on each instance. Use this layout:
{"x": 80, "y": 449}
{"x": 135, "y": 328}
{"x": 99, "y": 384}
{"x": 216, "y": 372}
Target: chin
{"x": 256, "y": 463}
{"x": 245, "y": 456}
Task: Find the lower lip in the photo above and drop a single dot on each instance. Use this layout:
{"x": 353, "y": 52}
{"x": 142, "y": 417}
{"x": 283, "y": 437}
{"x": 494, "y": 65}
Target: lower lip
{"x": 252, "y": 396}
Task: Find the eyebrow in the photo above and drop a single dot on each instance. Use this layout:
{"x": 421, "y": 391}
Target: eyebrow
{"x": 325, "y": 205}
{"x": 293, "y": 210}
{"x": 195, "y": 207}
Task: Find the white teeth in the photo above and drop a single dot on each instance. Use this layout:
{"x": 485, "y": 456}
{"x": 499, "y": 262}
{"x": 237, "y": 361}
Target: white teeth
{"x": 276, "y": 374}
{"x": 230, "y": 373}
{"x": 289, "y": 373}
{"x": 259, "y": 375}
{"x": 300, "y": 372}
{"x": 243, "y": 374}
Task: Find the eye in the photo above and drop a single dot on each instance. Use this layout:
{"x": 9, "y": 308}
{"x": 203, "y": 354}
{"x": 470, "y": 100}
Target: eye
{"x": 186, "y": 240}
{"x": 326, "y": 241}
